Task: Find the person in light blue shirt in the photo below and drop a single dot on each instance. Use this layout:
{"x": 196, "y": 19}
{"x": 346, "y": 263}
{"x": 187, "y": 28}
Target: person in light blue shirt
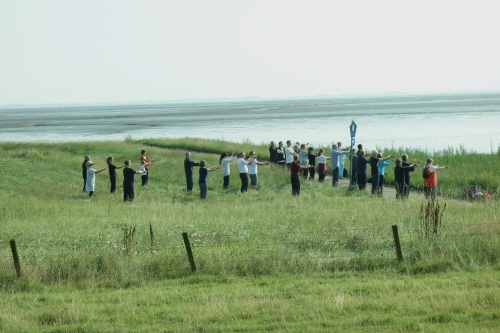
{"x": 334, "y": 157}
{"x": 381, "y": 168}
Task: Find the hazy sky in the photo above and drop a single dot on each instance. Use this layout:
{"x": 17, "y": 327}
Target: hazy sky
{"x": 64, "y": 51}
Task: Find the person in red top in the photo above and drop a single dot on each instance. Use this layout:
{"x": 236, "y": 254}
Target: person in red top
{"x": 295, "y": 169}
{"x": 430, "y": 182}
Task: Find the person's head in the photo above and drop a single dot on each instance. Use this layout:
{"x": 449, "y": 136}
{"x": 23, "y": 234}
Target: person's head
{"x": 430, "y": 160}
{"x": 242, "y": 155}
{"x": 310, "y": 150}
{"x": 87, "y": 158}
{"x": 109, "y": 160}
{"x": 399, "y": 161}
{"x": 404, "y": 157}
{"x": 288, "y": 143}
{"x": 222, "y": 156}
{"x": 361, "y": 152}
{"x": 143, "y": 152}
{"x": 280, "y": 143}
{"x": 303, "y": 146}
{"x": 127, "y": 163}
{"x": 295, "y": 158}
{"x": 374, "y": 152}
{"x": 203, "y": 163}
{"x": 252, "y": 154}
{"x": 188, "y": 154}
{"x": 379, "y": 155}
{"x": 360, "y": 147}
{"x": 321, "y": 151}
{"x": 335, "y": 147}
{"x": 89, "y": 164}
{"x": 296, "y": 147}
{"x": 339, "y": 144}
{"x": 272, "y": 143}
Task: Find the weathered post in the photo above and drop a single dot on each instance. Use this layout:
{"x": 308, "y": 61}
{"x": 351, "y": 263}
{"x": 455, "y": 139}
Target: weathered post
{"x": 189, "y": 251}
{"x": 17, "y": 263}
{"x": 397, "y": 243}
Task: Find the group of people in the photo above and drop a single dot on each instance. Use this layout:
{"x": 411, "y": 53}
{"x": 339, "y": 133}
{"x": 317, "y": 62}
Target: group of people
{"x": 299, "y": 160}
{"x": 89, "y": 172}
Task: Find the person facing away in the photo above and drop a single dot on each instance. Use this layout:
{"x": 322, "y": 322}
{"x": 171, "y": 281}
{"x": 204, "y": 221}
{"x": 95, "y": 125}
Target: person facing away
{"x": 243, "y": 169}
{"x": 91, "y": 172}
{"x": 295, "y": 169}
{"x": 112, "y": 173}
{"x": 84, "y": 171}
{"x": 225, "y": 161}
{"x": 374, "y": 160}
{"x": 203, "y": 180}
{"x": 322, "y": 165}
{"x": 407, "y": 175}
{"x": 430, "y": 183}
{"x": 304, "y": 159}
{"x": 341, "y": 159}
{"x": 399, "y": 177}
{"x": 381, "y": 168}
{"x": 273, "y": 154}
{"x": 361, "y": 163}
{"x": 311, "y": 156}
{"x": 188, "y": 170}
{"x": 128, "y": 181}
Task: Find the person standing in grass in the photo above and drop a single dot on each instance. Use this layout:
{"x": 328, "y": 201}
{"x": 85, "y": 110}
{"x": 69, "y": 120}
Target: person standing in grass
{"x": 295, "y": 169}
{"x": 304, "y": 159}
{"x": 188, "y": 170}
{"x": 147, "y": 161}
{"x": 289, "y": 153}
{"x": 399, "y": 177}
{"x": 407, "y": 175}
{"x": 430, "y": 178}
{"x": 361, "y": 163}
{"x": 322, "y": 165}
{"x": 341, "y": 159}
{"x": 84, "y": 171}
{"x": 311, "y": 156}
{"x": 280, "y": 152}
{"x": 374, "y": 160}
{"x": 252, "y": 169}
{"x": 273, "y": 154}
{"x": 203, "y": 180}
{"x": 243, "y": 169}
{"x": 335, "y": 153}
{"x": 225, "y": 161}
{"x": 90, "y": 185}
{"x": 381, "y": 168}
{"x": 112, "y": 173}
{"x": 128, "y": 181}
{"x": 144, "y": 168}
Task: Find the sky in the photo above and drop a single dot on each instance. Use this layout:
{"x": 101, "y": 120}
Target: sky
{"x": 65, "y": 51}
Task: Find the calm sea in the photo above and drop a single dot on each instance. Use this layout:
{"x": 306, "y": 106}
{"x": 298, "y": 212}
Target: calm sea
{"x": 428, "y": 122}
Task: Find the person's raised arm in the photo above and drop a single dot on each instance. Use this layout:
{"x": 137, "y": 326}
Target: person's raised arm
{"x": 97, "y": 171}
{"x": 215, "y": 167}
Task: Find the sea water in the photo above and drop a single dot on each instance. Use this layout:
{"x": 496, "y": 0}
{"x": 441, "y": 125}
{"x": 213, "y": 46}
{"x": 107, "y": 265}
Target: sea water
{"x": 427, "y": 122}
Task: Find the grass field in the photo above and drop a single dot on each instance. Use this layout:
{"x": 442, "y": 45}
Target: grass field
{"x": 266, "y": 261}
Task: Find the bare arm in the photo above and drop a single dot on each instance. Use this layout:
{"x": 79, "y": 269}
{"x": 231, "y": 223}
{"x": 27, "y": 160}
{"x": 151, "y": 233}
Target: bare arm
{"x": 97, "y": 171}
{"x": 215, "y": 167}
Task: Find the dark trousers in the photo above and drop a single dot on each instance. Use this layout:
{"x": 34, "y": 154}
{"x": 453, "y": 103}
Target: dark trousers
{"x": 380, "y": 185}
{"x": 189, "y": 182}
{"x": 375, "y": 183}
{"x": 335, "y": 177}
{"x": 128, "y": 193}
{"x": 112, "y": 180}
{"x": 400, "y": 190}
{"x": 144, "y": 179}
{"x": 295, "y": 186}
{"x": 244, "y": 182}
{"x": 311, "y": 173}
{"x": 226, "y": 182}
{"x": 361, "y": 181}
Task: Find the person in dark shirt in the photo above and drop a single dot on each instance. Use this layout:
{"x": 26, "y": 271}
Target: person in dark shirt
{"x": 203, "y": 181}
{"x": 375, "y": 169}
{"x": 361, "y": 163}
{"x": 273, "y": 154}
{"x": 128, "y": 181}
{"x": 407, "y": 175}
{"x": 112, "y": 173}
{"x": 311, "y": 156}
{"x": 84, "y": 170}
{"x": 188, "y": 169}
{"x": 295, "y": 169}
{"x": 399, "y": 177}
{"x": 280, "y": 152}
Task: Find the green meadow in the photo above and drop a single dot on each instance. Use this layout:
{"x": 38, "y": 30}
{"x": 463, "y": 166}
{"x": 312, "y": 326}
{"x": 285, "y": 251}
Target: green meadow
{"x": 264, "y": 261}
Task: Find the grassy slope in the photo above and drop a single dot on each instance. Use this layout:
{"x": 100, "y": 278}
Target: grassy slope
{"x": 48, "y": 215}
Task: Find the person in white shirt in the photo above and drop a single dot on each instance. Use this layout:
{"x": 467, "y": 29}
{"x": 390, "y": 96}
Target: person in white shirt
{"x": 322, "y": 165}
{"x": 290, "y": 153}
{"x": 243, "y": 169}
{"x": 91, "y": 172}
{"x": 226, "y": 170}
{"x": 252, "y": 169}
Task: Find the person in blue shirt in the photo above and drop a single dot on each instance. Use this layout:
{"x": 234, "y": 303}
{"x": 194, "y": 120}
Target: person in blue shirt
{"x": 381, "y": 168}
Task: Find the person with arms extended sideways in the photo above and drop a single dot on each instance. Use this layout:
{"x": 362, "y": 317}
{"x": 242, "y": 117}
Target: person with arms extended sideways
{"x": 430, "y": 178}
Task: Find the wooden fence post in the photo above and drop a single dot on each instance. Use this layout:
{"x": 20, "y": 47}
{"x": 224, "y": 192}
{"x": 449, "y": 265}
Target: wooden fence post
{"x": 17, "y": 263}
{"x": 397, "y": 243}
{"x": 189, "y": 251}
